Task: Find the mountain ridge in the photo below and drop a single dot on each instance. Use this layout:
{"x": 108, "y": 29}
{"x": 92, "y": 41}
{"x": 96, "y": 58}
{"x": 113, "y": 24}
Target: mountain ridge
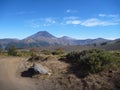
{"x": 44, "y": 38}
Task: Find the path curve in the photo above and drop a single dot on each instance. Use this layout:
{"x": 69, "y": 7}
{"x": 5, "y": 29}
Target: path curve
{"x": 10, "y": 78}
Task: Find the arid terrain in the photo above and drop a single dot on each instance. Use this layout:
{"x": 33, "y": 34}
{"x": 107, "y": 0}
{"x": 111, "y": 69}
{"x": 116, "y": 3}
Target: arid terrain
{"x": 59, "y": 45}
{"x": 10, "y": 78}
{"x": 61, "y": 78}
{"x": 10, "y": 75}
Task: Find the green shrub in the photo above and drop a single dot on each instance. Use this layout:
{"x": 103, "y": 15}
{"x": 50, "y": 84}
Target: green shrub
{"x": 0, "y": 51}
{"x": 12, "y": 51}
{"x": 116, "y": 53}
{"x": 91, "y": 61}
{"x": 58, "y": 51}
{"x": 46, "y": 52}
{"x": 23, "y": 53}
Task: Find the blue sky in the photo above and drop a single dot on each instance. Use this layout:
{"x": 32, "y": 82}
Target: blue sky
{"x": 80, "y": 19}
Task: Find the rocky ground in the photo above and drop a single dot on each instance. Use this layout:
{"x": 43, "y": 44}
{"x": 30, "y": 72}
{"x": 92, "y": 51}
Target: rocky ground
{"x": 11, "y": 69}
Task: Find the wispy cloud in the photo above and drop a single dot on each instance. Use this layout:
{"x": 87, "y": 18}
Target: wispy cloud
{"x": 70, "y": 18}
{"x": 105, "y": 20}
{"x": 100, "y": 20}
{"x": 92, "y": 22}
{"x": 40, "y": 22}
{"x": 74, "y": 22}
{"x": 24, "y": 12}
{"x": 50, "y": 20}
{"x": 101, "y": 15}
{"x": 108, "y": 15}
{"x": 71, "y": 11}
{"x": 114, "y": 16}
{"x": 97, "y": 22}
{"x": 35, "y": 25}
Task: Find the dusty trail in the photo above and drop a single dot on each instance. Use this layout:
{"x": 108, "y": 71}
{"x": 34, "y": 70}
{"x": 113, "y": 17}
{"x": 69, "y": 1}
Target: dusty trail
{"x": 10, "y": 78}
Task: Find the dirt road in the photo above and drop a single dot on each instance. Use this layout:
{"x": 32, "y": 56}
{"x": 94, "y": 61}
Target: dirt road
{"x": 10, "y": 78}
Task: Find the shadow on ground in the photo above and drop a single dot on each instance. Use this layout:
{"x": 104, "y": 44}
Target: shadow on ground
{"x": 28, "y": 73}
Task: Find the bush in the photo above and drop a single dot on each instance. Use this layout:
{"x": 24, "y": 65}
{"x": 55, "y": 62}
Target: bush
{"x": 91, "y": 61}
{"x": 0, "y": 51}
{"x": 46, "y": 52}
{"x": 23, "y": 53}
{"x": 58, "y": 51}
{"x": 37, "y": 58}
{"x": 12, "y": 51}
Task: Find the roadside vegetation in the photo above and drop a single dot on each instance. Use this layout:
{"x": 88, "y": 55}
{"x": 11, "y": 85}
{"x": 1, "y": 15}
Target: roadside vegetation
{"x": 93, "y": 61}
{"x": 12, "y": 51}
{"x": 82, "y": 70}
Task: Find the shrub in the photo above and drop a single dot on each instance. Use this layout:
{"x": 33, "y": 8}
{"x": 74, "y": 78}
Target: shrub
{"x": 12, "y": 51}
{"x": 91, "y": 61}
{"x": 117, "y": 80}
{"x": 58, "y": 51}
{"x": 37, "y": 58}
{"x": 104, "y": 43}
{"x": 23, "y": 53}
{"x": 46, "y": 52}
{"x": 0, "y": 51}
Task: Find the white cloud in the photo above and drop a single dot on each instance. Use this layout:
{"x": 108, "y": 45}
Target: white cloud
{"x": 50, "y": 20}
{"x": 71, "y": 11}
{"x": 34, "y": 25}
{"x": 106, "y": 20}
{"x": 68, "y": 11}
{"x": 37, "y": 23}
{"x": 96, "y": 22}
{"x": 113, "y": 15}
{"x": 108, "y": 15}
{"x": 101, "y": 15}
{"x": 74, "y": 22}
{"x": 70, "y": 18}
{"x": 92, "y": 22}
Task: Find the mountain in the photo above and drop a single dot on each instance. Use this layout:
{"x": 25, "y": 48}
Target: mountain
{"x": 8, "y": 40}
{"x": 67, "y": 38}
{"x": 111, "y": 45}
{"x": 90, "y": 41}
{"x": 5, "y": 42}
{"x": 41, "y": 34}
{"x": 43, "y": 38}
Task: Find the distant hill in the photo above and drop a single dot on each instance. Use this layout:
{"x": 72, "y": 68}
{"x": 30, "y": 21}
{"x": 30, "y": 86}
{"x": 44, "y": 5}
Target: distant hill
{"x": 111, "y": 45}
{"x": 44, "y": 39}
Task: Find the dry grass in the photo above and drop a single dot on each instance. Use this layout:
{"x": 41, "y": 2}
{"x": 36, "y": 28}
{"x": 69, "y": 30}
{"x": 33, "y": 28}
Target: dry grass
{"x": 60, "y": 79}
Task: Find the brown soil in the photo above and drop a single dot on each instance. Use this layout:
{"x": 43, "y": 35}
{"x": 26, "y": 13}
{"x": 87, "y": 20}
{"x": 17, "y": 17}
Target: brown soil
{"x": 60, "y": 79}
